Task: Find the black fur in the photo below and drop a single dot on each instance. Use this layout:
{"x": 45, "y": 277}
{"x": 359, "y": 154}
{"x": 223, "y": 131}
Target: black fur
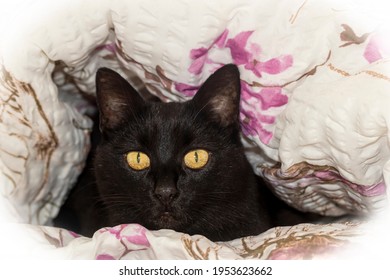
{"x": 221, "y": 201}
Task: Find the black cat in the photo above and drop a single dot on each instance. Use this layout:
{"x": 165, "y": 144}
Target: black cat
{"x": 177, "y": 166}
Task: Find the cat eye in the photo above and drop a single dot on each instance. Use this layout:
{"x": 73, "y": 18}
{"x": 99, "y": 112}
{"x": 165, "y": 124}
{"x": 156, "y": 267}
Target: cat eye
{"x": 196, "y": 159}
{"x": 138, "y": 160}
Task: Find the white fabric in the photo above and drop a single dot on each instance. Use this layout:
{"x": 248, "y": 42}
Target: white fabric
{"x": 315, "y": 91}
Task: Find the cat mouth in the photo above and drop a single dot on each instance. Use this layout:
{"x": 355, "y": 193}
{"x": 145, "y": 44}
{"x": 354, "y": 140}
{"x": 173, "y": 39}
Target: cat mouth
{"x": 167, "y": 216}
{"x": 167, "y": 219}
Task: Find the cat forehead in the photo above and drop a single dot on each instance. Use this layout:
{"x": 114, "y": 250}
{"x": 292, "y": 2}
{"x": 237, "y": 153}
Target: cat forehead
{"x": 171, "y": 109}
{"x": 171, "y": 114}
{"x": 169, "y": 118}
{"x": 158, "y": 120}
{"x": 169, "y": 123}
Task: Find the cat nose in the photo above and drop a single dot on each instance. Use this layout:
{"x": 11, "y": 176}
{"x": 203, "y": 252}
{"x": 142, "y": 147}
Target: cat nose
{"x": 166, "y": 194}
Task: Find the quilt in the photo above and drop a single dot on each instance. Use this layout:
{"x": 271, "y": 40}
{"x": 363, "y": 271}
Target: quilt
{"x": 315, "y": 99}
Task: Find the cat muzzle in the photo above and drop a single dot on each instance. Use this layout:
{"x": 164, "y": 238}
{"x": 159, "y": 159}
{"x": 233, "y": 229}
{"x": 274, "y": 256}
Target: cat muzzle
{"x": 166, "y": 195}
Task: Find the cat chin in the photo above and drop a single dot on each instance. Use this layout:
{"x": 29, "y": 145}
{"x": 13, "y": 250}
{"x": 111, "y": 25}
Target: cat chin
{"x": 165, "y": 216}
{"x": 167, "y": 220}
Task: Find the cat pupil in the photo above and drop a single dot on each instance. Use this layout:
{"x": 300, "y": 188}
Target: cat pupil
{"x": 138, "y": 157}
{"x": 196, "y": 157}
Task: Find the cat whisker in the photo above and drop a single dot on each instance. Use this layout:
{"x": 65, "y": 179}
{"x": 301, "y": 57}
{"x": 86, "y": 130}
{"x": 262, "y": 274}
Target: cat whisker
{"x": 215, "y": 193}
{"x": 237, "y": 212}
{"x": 217, "y": 198}
{"x": 209, "y": 223}
{"x": 115, "y": 202}
{"x": 201, "y": 109}
{"x": 81, "y": 187}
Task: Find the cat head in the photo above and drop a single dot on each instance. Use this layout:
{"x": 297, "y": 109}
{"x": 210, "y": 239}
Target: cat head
{"x": 119, "y": 102}
{"x": 175, "y": 165}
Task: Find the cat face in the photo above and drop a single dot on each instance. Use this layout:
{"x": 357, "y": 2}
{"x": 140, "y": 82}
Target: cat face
{"x": 178, "y": 166}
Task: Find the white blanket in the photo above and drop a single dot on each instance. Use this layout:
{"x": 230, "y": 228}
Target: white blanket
{"x": 315, "y": 104}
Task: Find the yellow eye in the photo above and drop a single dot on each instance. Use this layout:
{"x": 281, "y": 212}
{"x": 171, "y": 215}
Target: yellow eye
{"x": 196, "y": 159}
{"x": 138, "y": 160}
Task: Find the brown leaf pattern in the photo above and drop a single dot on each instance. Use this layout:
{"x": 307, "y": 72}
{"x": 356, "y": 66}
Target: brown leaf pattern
{"x": 349, "y": 36}
{"x": 31, "y": 135}
{"x": 371, "y": 73}
{"x": 199, "y": 248}
{"x": 159, "y": 78}
{"x": 295, "y": 15}
{"x": 304, "y": 241}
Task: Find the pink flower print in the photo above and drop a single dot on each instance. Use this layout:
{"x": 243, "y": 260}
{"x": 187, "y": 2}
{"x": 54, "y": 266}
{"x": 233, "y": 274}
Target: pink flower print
{"x": 241, "y": 56}
{"x": 237, "y": 48}
{"x": 197, "y": 53}
{"x": 373, "y": 190}
{"x": 372, "y": 51}
{"x": 73, "y": 234}
{"x": 109, "y": 47}
{"x": 199, "y": 57}
{"x": 251, "y": 123}
{"x": 242, "y": 53}
{"x": 186, "y": 90}
{"x": 272, "y": 97}
{"x": 220, "y": 41}
{"x": 135, "y": 234}
{"x": 139, "y": 236}
{"x": 306, "y": 248}
{"x": 273, "y": 66}
{"x": 288, "y": 254}
{"x": 267, "y": 97}
{"x": 253, "y": 104}
{"x": 104, "y": 257}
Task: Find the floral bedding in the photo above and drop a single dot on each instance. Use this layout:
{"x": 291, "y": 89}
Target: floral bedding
{"x": 315, "y": 82}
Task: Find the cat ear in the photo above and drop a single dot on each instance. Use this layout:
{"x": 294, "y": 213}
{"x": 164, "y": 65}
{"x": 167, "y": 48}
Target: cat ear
{"x": 220, "y": 95}
{"x": 117, "y": 100}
